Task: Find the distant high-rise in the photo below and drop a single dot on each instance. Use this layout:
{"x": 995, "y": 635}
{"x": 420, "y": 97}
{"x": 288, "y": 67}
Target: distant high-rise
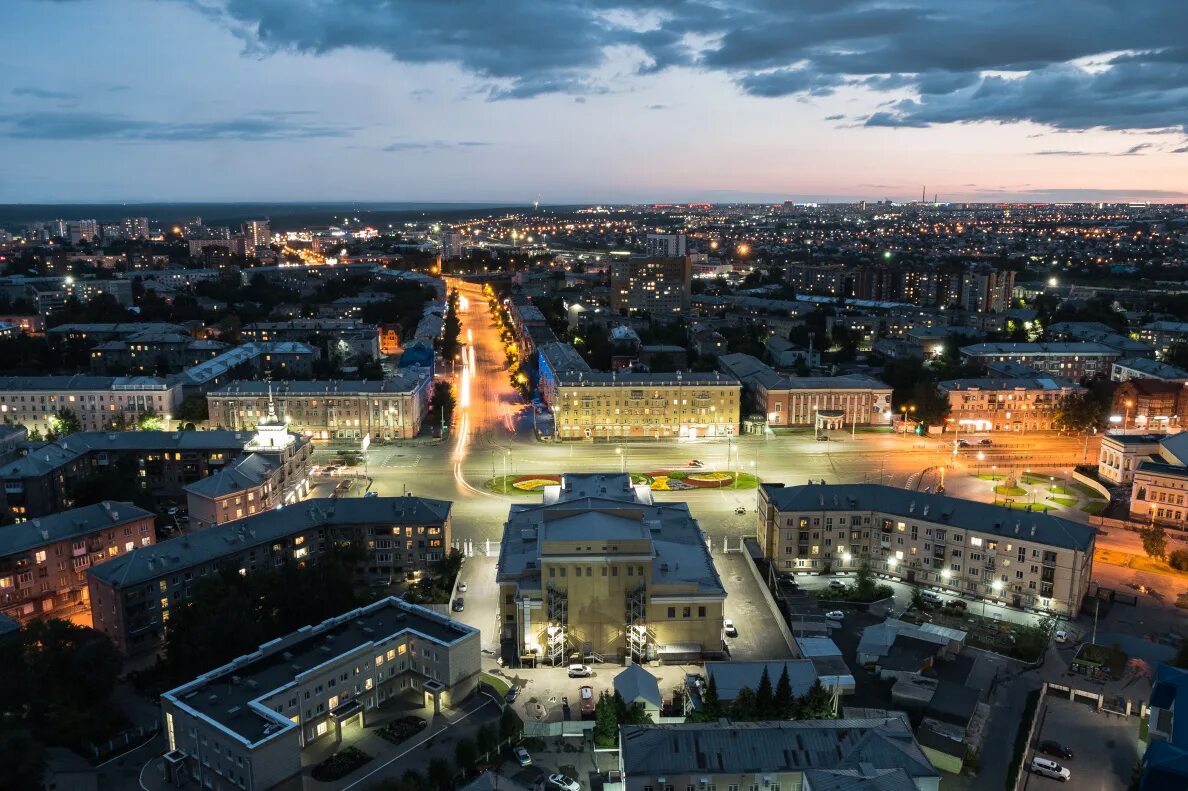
{"x": 451, "y": 245}
{"x": 136, "y": 228}
{"x": 258, "y": 234}
{"x": 78, "y": 230}
{"x": 665, "y": 245}
{"x": 655, "y": 286}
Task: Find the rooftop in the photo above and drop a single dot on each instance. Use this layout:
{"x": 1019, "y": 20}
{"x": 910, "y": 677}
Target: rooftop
{"x": 46, "y": 458}
{"x": 1154, "y": 368}
{"x": 228, "y": 360}
{"x": 229, "y": 695}
{"x": 80, "y": 382}
{"x": 730, "y": 677}
{"x": 1094, "y": 349}
{"x": 630, "y": 378}
{"x": 203, "y": 546}
{"x": 999, "y": 520}
{"x": 405, "y": 382}
{"x": 986, "y": 383}
{"x": 784, "y": 746}
{"x": 246, "y": 472}
{"x": 67, "y": 525}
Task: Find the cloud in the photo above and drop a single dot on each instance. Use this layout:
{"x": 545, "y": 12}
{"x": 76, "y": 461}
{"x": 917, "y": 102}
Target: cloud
{"x": 432, "y": 145}
{"x": 1067, "y": 153}
{"x": 941, "y": 61}
{"x": 101, "y": 126}
{"x": 42, "y": 93}
{"x": 1135, "y": 150}
{"x": 1183, "y": 150}
{"x": 835, "y": 117}
{"x": 657, "y": 107}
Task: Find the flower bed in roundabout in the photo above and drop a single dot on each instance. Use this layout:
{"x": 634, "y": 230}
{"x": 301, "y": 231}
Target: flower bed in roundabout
{"x": 659, "y": 480}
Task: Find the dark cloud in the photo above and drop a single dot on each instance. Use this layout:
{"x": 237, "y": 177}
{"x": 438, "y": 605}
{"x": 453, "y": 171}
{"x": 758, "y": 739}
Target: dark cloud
{"x": 1134, "y": 151}
{"x": 42, "y": 93}
{"x": 432, "y": 145}
{"x": 1183, "y": 150}
{"x": 835, "y": 117}
{"x": 657, "y": 107}
{"x": 1068, "y": 153}
{"x": 100, "y": 126}
{"x": 946, "y": 61}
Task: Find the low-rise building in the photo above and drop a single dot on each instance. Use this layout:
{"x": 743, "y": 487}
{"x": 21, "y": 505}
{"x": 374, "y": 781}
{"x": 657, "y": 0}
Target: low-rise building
{"x": 1121, "y": 454}
{"x": 132, "y": 595}
{"x": 243, "y": 725}
{"x": 1165, "y": 763}
{"x": 274, "y": 472}
{"x": 1073, "y": 361}
{"x": 1150, "y": 404}
{"x": 1160, "y": 485}
{"x": 1146, "y": 368}
{"x": 1096, "y": 332}
{"x": 1163, "y": 335}
{"x": 387, "y": 409}
{"x": 263, "y": 360}
{"x": 43, "y": 563}
{"x": 593, "y": 405}
{"x": 600, "y": 571}
{"x": 1024, "y": 559}
{"x": 868, "y": 753}
{"x": 1006, "y": 404}
{"x": 99, "y": 402}
{"x": 784, "y": 400}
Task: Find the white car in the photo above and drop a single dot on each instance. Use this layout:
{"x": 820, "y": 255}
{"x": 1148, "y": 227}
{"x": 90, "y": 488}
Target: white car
{"x": 835, "y": 615}
{"x": 728, "y": 628}
{"x": 563, "y": 782}
{"x": 580, "y": 671}
{"x": 522, "y": 756}
{"x": 1061, "y": 636}
{"x": 461, "y": 587}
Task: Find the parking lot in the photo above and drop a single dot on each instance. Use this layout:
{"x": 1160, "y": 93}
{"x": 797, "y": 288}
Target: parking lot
{"x": 481, "y": 599}
{"x": 1105, "y": 746}
{"x": 758, "y": 630}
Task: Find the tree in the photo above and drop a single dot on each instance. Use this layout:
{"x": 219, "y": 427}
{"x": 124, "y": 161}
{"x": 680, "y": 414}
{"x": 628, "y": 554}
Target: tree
{"x": 932, "y": 406}
{"x": 606, "y": 721}
{"x": 864, "y": 583}
{"x": 743, "y": 707}
{"x": 63, "y": 423}
{"x": 442, "y": 403}
{"x": 22, "y": 760}
{"x": 150, "y": 421}
{"x": 487, "y": 739}
{"x": 764, "y": 699}
{"x": 1178, "y": 559}
{"x": 1154, "y": 541}
{"x": 711, "y": 706}
{"x": 466, "y": 754}
{"x": 1079, "y": 412}
{"x": 193, "y": 409}
{"x": 816, "y": 704}
{"x": 783, "y": 699}
{"x": 441, "y": 774}
{"x": 510, "y": 725}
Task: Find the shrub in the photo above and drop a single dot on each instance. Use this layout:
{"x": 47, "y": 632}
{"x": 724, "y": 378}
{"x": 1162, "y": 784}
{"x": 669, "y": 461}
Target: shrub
{"x": 1178, "y": 559}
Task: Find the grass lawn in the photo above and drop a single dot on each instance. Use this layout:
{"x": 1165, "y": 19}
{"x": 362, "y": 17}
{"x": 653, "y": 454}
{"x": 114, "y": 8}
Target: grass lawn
{"x": 1030, "y": 477}
{"x": 745, "y": 480}
{"x": 1062, "y": 490}
{"x": 986, "y": 476}
{"x": 498, "y": 684}
{"x": 1094, "y": 507}
{"x": 1111, "y": 557}
{"x": 1067, "y": 502}
{"x": 1144, "y": 563}
{"x": 1088, "y": 491}
{"x": 1034, "y": 507}
{"x": 1010, "y": 491}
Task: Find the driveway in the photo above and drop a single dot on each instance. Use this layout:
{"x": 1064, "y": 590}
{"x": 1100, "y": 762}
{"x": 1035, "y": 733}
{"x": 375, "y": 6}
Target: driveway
{"x": 481, "y": 599}
{"x": 758, "y": 629}
{"x": 1105, "y": 746}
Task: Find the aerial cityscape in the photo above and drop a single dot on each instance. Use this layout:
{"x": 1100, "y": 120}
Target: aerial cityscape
{"x": 680, "y": 396}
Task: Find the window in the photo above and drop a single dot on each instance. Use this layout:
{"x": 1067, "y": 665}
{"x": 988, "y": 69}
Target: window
{"x": 700, "y": 612}
{"x": 685, "y": 611}
{"x": 672, "y": 612}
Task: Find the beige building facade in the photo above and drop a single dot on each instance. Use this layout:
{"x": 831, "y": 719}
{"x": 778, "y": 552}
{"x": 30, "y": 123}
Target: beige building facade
{"x": 598, "y": 571}
{"x": 609, "y": 406}
{"x": 1028, "y": 560}
{"x": 1018, "y": 405}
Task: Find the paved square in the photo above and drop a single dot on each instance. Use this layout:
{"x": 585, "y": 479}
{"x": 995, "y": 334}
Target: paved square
{"x": 1105, "y": 746}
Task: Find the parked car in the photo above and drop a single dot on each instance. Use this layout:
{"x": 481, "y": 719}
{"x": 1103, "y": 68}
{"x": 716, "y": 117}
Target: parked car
{"x": 1061, "y": 636}
{"x": 822, "y": 438}
{"x": 956, "y": 604}
{"x": 837, "y": 585}
{"x": 371, "y": 494}
{"x": 835, "y": 615}
{"x": 986, "y": 442}
{"x": 963, "y": 443}
{"x": 740, "y": 510}
{"x": 1050, "y": 747}
{"x": 512, "y": 693}
{"x": 729, "y": 628}
{"x": 522, "y": 756}
{"x": 930, "y": 597}
{"x": 459, "y": 604}
{"x": 695, "y": 463}
{"x": 563, "y": 782}
{"x": 461, "y": 587}
{"x": 330, "y": 470}
{"x": 580, "y": 671}
{"x": 586, "y": 702}
{"x": 1047, "y": 768}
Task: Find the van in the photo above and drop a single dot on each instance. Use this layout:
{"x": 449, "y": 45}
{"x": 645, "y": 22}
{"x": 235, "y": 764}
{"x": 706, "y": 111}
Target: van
{"x": 1049, "y": 768}
{"x": 930, "y": 597}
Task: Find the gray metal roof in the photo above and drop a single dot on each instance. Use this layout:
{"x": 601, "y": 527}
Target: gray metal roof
{"x": 636, "y": 683}
{"x": 1153, "y": 367}
{"x": 758, "y": 747}
{"x": 987, "y": 383}
{"x": 1035, "y": 527}
{"x": 1036, "y": 349}
{"x": 46, "y": 458}
{"x": 243, "y": 473}
{"x": 408, "y": 380}
{"x": 67, "y": 525}
{"x": 217, "y": 366}
{"x": 730, "y": 677}
{"x": 203, "y": 546}
{"x": 59, "y": 384}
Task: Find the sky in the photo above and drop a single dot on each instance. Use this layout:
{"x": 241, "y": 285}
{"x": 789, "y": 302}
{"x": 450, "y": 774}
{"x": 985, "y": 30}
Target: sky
{"x": 585, "y": 101}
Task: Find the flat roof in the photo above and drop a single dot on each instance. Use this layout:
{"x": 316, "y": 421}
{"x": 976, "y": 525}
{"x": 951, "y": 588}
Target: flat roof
{"x": 981, "y": 349}
{"x": 203, "y": 546}
{"x": 988, "y": 383}
{"x": 227, "y": 695}
{"x": 406, "y": 382}
{"x": 80, "y": 382}
{"x": 1040, "y": 528}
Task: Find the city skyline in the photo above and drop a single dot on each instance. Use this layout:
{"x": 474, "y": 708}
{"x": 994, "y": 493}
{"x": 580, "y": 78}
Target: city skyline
{"x": 590, "y": 102}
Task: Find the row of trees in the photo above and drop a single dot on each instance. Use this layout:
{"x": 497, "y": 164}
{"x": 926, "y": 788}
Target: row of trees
{"x": 768, "y": 703}
{"x": 448, "y": 344}
{"x": 610, "y": 712}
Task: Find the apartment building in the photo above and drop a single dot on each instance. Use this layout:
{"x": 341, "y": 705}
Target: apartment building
{"x": 263, "y": 360}
{"x": 39, "y": 482}
{"x": 850, "y": 753}
{"x": 594, "y": 405}
{"x": 992, "y": 404}
{"x": 1162, "y": 335}
{"x": 132, "y": 595}
{"x": 348, "y": 335}
{"x": 600, "y": 571}
{"x": 97, "y": 401}
{"x": 1145, "y": 368}
{"x": 825, "y": 401}
{"x": 1030, "y": 560}
{"x": 243, "y": 726}
{"x": 43, "y": 563}
{"x": 1150, "y": 404}
{"x": 1096, "y": 332}
{"x": 387, "y": 409}
{"x": 1073, "y": 361}
{"x": 658, "y": 287}
{"x": 274, "y": 472}
{"x": 1160, "y": 485}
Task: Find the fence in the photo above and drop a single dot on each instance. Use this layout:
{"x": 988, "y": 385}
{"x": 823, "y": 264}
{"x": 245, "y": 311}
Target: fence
{"x": 122, "y": 741}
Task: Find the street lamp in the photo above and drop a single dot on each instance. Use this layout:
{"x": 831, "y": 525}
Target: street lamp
{"x": 622, "y": 460}
{"x": 1126, "y": 417}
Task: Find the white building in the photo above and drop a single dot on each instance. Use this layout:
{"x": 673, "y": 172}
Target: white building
{"x": 97, "y": 401}
{"x": 665, "y": 245}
